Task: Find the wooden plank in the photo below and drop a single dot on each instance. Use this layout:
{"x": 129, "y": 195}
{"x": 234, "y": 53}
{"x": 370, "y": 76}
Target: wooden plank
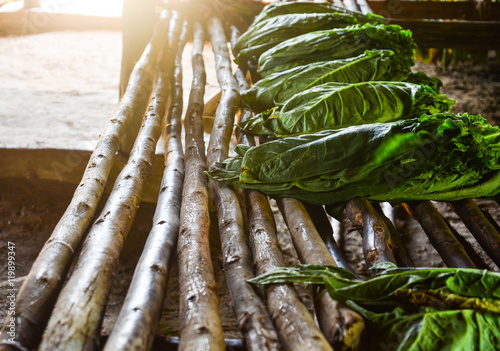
{"x": 475, "y": 35}
{"x": 464, "y": 10}
{"x": 67, "y": 165}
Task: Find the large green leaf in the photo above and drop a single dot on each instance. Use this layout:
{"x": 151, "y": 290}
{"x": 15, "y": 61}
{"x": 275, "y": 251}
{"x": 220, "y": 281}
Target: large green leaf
{"x": 458, "y": 330}
{"x": 282, "y": 8}
{"x": 263, "y": 35}
{"x": 337, "y": 44}
{"x": 281, "y": 86}
{"x": 337, "y": 105}
{"x": 413, "y": 308}
{"x": 422, "y": 78}
{"x": 440, "y": 157}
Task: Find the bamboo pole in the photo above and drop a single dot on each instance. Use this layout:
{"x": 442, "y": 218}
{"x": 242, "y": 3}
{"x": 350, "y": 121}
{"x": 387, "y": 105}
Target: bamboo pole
{"x": 253, "y": 319}
{"x": 482, "y": 229}
{"x": 450, "y": 250}
{"x": 38, "y": 294}
{"x": 75, "y": 321}
{"x": 341, "y": 325}
{"x": 138, "y": 319}
{"x": 201, "y": 325}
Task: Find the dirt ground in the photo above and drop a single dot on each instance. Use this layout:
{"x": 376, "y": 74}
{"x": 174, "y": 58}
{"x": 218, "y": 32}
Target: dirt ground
{"x": 58, "y": 89}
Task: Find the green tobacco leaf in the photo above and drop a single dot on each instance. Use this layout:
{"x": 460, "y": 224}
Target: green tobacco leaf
{"x": 422, "y": 78}
{"x": 374, "y": 65}
{"x": 383, "y": 266}
{"x": 337, "y": 44}
{"x": 475, "y": 284}
{"x": 440, "y": 157}
{"x": 432, "y": 331}
{"x": 282, "y": 8}
{"x": 338, "y": 105}
{"x": 393, "y": 287}
{"x": 430, "y": 321}
{"x": 265, "y": 34}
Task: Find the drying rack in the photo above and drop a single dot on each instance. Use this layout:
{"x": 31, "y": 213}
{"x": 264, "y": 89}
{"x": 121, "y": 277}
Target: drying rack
{"x": 50, "y": 316}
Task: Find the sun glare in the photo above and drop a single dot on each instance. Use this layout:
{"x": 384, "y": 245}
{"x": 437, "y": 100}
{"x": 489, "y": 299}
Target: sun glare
{"x": 106, "y": 8}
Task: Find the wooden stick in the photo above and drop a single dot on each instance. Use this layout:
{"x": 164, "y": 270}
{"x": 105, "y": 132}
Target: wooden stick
{"x": 385, "y": 245}
{"x": 450, "y": 250}
{"x": 138, "y": 319}
{"x": 253, "y": 319}
{"x": 351, "y": 5}
{"x": 377, "y": 244}
{"x": 484, "y": 232}
{"x": 201, "y": 325}
{"x": 295, "y": 324}
{"x": 75, "y": 321}
{"x": 364, "y": 7}
{"x": 137, "y": 27}
{"x": 38, "y": 294}
{"x": 336, "y": 2}
{"x": 264, "y": 244}
{"x": 474, "y": 256}
{"x": 325, "y": 231}
{"x": 341, "y": 325}
{"x": 402, "y": 257}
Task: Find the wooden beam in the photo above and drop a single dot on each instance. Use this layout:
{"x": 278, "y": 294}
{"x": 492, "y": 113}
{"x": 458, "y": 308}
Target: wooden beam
{"x": 463, "y": 10}
{"x": 472, "y": 35}
{"x": 65, "y": 165}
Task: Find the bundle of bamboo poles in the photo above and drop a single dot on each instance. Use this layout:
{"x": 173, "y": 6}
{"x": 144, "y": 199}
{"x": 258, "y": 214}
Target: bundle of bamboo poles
{"x": 52, "y": 317}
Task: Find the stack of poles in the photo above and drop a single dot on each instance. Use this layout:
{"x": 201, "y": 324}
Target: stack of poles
{"x": 50, "y": 317}
{"x": 69, "y": 318}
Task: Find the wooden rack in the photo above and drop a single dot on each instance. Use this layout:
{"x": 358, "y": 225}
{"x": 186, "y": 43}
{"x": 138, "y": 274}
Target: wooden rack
{"x": 445, "y": 24}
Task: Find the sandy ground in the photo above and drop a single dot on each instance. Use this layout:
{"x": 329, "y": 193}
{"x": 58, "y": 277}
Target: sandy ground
{"x": 59, "y": 89}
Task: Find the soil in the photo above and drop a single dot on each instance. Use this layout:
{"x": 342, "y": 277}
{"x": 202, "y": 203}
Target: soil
{"x": 476, "y": 88}
{"x": 58, "y": 90}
